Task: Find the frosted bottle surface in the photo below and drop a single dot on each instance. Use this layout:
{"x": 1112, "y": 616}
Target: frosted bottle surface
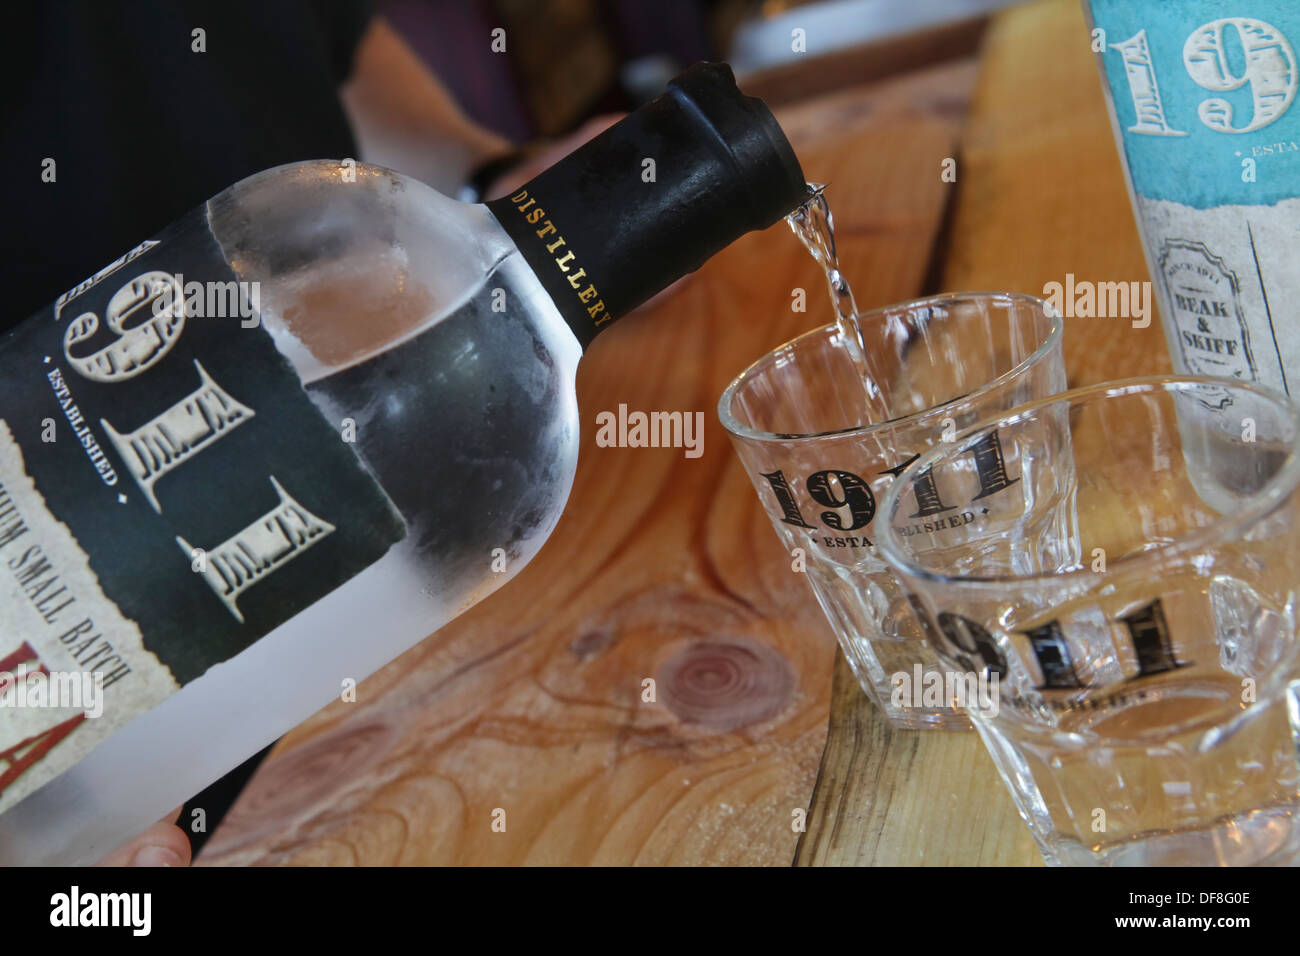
{"x": 424, "y": 331}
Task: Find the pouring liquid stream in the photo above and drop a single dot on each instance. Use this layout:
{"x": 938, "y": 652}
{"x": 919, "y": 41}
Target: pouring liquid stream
{"x": 813, "y": 223}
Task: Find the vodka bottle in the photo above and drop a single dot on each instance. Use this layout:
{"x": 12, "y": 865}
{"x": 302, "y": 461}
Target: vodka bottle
{"x": 1202, "y": 97}
{"x": 268, "y": 450}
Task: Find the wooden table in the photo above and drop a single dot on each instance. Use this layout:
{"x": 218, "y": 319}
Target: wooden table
{"x": 530, "y": 709}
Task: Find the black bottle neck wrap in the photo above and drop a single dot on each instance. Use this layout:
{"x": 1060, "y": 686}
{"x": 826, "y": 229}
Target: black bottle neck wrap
{"x": 651, "y": 198}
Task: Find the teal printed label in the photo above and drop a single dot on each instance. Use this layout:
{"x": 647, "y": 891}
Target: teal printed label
{"x": 1203, "y": 97}
{"x": 1200, "y": 87}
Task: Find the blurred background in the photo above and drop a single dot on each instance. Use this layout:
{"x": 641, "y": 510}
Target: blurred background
{"x": 567, "y": 60}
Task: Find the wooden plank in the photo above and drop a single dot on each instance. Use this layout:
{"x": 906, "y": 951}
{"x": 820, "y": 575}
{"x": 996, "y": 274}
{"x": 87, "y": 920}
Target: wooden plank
{"x": 662, "y": 567}
{"x": 1041, "y": 194}
{"x": 809, "y": 76}
{"x": 1041, "y": 188}
{"x": 906, "y": 797}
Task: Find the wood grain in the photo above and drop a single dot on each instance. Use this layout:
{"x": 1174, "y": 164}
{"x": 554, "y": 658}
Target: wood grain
{"x": 1041, "y": 194}
{"x": 662, "y": 567}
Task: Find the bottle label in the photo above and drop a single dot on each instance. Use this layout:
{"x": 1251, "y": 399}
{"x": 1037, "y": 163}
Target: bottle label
{"x": 168, "y": 495}
{"x": 1203, "y": 97}
{"x": 560, "y": 267}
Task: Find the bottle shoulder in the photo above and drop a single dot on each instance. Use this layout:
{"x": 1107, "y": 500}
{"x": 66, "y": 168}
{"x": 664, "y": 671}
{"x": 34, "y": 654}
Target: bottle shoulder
{"x": 352, "y": 260}
{"x": 289, "y": 215}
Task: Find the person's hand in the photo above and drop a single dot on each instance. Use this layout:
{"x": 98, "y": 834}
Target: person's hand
{"x": 163, "y": 844}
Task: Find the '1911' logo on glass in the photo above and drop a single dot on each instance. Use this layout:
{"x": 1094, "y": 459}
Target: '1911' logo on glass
{"x": 855, "y": 493}
{"x": 977, "y": 650}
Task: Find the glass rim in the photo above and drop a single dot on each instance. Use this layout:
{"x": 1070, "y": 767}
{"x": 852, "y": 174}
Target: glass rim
{"x": 1055, "y": 334}
{"x": 1227, "y": 527}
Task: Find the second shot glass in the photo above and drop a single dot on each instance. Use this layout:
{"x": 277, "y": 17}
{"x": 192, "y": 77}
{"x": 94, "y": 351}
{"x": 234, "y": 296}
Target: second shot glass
{"x": 1131, "y": 595}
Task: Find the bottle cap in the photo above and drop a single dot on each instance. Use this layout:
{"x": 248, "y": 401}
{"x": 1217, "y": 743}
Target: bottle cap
{"x": 745, "y": 129}
{"x": 652, "y": 197}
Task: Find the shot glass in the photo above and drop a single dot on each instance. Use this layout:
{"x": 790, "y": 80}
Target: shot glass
{"x": 1132, "y": 591}
{"x": 821, "y": 437}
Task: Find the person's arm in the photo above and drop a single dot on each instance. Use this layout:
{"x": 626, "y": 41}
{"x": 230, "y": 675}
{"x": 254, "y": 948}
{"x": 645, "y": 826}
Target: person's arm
{"x": 405, "y": 119}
